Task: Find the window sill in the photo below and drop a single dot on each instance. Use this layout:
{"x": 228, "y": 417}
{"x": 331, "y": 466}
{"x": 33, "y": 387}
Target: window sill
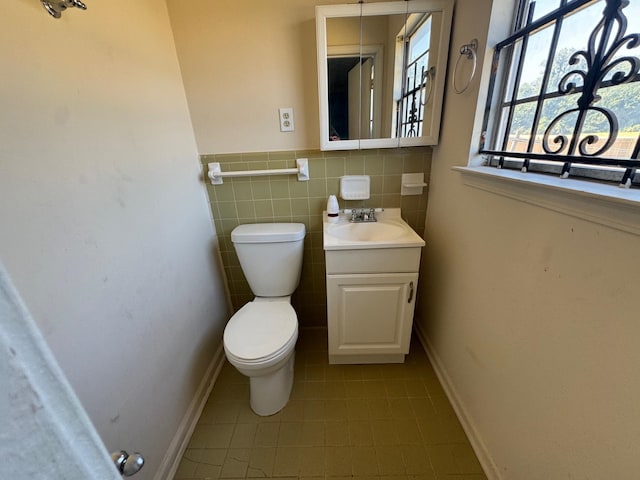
{"x": 608, "y": 205}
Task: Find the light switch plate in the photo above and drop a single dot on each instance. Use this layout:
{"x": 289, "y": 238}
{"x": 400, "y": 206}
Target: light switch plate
{"x": 286, "y": 119}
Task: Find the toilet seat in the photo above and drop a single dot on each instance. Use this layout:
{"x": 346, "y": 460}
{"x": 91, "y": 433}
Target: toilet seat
{"x": 261, "y": 332}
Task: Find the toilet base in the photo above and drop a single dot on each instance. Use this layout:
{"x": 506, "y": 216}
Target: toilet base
{"x": 270, "y": 393}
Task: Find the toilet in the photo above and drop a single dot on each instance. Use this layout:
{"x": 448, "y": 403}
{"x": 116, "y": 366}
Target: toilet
{"x": 259, "y": 340}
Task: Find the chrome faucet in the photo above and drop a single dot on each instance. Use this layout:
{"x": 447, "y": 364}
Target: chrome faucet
{"x": 359, "y": 215}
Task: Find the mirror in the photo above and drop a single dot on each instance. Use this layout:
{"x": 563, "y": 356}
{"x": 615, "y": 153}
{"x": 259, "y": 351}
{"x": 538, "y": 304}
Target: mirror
{"x": 381, "y": 71}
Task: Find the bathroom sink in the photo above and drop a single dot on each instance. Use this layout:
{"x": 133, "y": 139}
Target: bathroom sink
{"x": 366, "y": 232}
{"x": 388, "y": 232}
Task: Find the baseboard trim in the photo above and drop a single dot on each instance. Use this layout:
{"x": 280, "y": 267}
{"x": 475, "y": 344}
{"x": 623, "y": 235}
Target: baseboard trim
{"x": 490, "y": 469}
{"x": 180, "y": 440}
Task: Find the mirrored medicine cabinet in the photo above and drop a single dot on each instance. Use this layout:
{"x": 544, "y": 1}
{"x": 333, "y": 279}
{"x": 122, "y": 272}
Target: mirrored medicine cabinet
{"x": 381, "y": 73}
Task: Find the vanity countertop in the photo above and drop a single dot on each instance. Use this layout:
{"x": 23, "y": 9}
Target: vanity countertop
{"x": 389, "y": 231}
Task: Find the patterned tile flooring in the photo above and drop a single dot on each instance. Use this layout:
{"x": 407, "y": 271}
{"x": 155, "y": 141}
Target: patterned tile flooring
{"x": 386, "y": 422}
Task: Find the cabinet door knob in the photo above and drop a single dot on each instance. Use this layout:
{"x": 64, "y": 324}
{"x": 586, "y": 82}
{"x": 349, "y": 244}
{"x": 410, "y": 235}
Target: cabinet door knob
{"x": 410, "y": 292}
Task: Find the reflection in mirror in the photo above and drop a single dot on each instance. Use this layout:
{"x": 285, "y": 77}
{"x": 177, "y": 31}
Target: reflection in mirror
{"x": 355, "y": 92}
{"x": 379, "y": 79}
{"x": 360, "y": 75}
{"x": 344, "y": 97}
{"x": 413, "y": 101}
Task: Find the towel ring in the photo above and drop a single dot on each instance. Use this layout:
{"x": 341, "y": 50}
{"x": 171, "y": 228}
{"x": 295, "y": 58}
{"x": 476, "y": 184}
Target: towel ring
{"x": 468, "y": 50}
{"x": 427, "y": 77}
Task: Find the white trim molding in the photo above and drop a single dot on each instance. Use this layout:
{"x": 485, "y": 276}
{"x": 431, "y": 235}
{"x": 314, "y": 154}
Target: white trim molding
{"x": 479, "y": 448}
{"x": 604, "y": 204}
{"x": 178, "y": 445}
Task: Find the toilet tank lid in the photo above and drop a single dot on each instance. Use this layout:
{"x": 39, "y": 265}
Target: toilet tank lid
{"x": 268, "y": 232}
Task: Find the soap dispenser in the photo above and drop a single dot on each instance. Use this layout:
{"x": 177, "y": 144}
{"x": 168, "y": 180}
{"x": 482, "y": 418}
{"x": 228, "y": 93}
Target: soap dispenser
{"x": 332, "y": 209}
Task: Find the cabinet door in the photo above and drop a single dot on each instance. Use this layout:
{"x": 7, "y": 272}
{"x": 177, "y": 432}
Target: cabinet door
{"x": 370, "y": 314}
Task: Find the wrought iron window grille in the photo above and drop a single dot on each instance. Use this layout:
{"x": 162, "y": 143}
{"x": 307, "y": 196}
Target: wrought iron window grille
{"x": 418, "y": 78}
{"x": 564, "y": 146}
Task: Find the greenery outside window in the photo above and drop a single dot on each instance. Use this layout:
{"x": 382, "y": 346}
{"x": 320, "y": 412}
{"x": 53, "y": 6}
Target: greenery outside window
{"x": 564, "y": 95}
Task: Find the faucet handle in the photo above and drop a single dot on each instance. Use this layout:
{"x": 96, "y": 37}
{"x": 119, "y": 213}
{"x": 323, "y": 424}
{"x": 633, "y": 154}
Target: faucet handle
{"x": 75, "y": 3}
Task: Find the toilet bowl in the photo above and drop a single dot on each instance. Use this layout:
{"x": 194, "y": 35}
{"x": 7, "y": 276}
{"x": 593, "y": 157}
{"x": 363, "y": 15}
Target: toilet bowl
{"x": 259, "y": 340}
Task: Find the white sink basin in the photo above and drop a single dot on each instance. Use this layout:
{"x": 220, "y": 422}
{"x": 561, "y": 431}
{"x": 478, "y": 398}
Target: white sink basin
{"x": 388, "y": 232}
{"x": 366, "y": 232}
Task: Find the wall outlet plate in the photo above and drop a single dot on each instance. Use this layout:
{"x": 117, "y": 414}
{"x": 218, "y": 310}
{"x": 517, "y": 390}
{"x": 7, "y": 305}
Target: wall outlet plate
{"x": 286, "y": 119}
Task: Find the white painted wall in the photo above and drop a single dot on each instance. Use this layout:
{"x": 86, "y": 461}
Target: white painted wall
{"x": 104, "y": 222}
{"x": 531, "y": 313}
{"x": 240, "y": 62}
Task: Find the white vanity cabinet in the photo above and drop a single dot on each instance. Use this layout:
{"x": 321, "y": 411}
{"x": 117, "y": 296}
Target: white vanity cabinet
{"x": 370, "y": 303}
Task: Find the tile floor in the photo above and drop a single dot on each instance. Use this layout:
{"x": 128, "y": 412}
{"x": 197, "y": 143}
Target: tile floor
{"x": 387, "y": 422}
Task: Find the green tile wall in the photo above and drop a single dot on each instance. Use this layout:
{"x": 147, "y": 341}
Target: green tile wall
{"x": 284, "y": 199}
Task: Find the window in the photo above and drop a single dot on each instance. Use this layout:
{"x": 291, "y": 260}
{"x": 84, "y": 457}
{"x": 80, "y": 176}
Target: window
{"x": 564, "y": 95}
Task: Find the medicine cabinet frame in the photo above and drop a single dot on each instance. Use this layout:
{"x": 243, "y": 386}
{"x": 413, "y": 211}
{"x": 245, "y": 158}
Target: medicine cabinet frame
{"x": 437, "y": 69}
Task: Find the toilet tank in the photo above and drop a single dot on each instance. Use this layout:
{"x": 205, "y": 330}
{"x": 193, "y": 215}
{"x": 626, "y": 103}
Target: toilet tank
{"x": 270, "y": 255}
